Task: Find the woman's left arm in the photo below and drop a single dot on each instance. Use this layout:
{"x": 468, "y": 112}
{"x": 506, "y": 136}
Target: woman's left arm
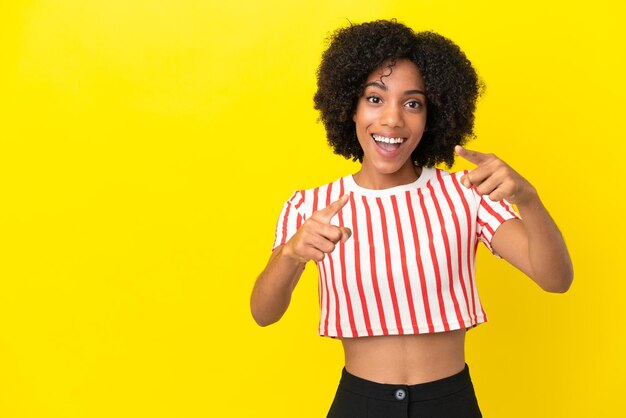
{"x": 533, "y": 244}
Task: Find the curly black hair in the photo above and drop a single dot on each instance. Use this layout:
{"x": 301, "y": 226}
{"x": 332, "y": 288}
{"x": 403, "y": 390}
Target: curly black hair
{"x": 452, "y": 86}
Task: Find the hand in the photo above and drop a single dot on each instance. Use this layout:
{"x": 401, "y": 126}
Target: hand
{"x": 495, "y": 178}
{"x": 317, "y": 237}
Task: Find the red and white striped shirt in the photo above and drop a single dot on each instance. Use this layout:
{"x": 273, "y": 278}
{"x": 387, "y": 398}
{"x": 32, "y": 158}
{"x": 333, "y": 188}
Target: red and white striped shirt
{"x": 409, "y": 266}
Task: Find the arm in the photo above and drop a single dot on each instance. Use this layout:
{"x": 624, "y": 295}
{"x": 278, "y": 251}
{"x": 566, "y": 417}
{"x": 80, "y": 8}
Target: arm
{"x": 273, "y": 288}
{"x": 533, "y": 244}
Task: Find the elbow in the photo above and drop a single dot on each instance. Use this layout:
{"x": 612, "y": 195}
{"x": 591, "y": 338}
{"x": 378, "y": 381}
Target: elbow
{"x": 262, "y": 322}
{"x": 560, "y": 288}
{"x": 261, "y": 319}
{"x": 561, "y": 283}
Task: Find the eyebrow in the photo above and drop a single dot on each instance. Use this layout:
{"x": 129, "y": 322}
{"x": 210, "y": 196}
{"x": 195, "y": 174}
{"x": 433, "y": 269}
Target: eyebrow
{"x": 383, "y": 87}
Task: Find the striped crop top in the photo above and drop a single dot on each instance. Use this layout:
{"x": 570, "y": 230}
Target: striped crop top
{"x": 409, "y": 265}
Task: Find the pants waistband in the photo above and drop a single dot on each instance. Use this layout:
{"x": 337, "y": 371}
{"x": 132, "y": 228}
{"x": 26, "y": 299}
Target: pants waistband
{"x": 420, "y": 392}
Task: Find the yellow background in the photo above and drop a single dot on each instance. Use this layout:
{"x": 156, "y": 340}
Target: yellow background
{"x": 147, "y": 148}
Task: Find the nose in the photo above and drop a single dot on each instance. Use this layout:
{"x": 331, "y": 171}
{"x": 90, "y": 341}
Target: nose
{"x": 392, "y": 116}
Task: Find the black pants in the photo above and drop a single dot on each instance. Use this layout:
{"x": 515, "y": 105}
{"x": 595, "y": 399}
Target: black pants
{"x": 450, "y": 397}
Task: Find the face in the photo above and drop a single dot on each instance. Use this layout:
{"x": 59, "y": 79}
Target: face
{"x": 390, "y": 119}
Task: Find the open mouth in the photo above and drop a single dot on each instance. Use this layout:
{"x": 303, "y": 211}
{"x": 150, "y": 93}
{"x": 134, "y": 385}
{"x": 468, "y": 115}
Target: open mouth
{"x": 388, "y": 144}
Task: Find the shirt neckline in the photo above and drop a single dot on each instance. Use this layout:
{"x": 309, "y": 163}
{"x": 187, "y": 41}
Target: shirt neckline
{"x": 351, "y": 186}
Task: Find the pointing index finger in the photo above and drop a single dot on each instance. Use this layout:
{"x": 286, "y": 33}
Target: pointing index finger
{"x": 331, "y": 210}
{"x": 471, "y": 156}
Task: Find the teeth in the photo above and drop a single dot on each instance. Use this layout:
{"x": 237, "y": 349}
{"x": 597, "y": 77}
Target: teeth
{"x": 379, "y": 138}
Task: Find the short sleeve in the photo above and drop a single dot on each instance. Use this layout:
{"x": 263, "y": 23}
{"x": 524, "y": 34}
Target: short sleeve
{"x": 290, "y": 219}
{"x": 489, "y": 218}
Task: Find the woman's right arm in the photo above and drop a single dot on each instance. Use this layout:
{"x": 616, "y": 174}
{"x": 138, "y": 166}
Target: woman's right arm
{"x": 272, "y": 291}
{"x": 273, "y": 288}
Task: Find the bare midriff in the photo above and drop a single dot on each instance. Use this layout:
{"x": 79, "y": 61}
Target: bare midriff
{"x": 406, "y": 359}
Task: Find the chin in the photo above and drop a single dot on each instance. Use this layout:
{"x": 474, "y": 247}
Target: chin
{"x": 389, "y": 168}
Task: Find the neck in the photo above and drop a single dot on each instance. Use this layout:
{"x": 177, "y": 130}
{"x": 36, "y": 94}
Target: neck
{"x": 371, "y": 179}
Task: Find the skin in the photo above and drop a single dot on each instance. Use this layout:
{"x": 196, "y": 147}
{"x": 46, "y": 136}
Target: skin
{"x": 393, "y": 106}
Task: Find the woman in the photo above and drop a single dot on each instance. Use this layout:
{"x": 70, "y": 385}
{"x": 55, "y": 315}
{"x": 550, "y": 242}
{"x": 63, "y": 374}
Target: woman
{"x": 395, "y": 243}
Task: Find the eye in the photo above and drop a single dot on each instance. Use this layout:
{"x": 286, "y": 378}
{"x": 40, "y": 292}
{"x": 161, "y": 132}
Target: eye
{"x": 415, "y": 104}
{"x": 373, "y": 99}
